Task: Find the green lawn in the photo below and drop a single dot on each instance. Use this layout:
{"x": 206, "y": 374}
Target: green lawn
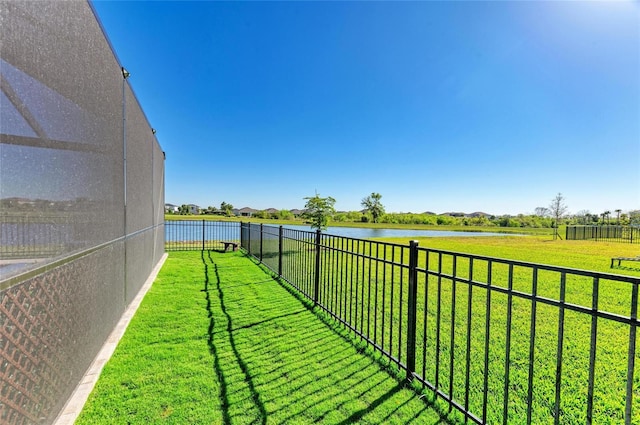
{"x": 218, "y": 341}
{"x": 585, "y": 255}
{"x": 240, "y": 348}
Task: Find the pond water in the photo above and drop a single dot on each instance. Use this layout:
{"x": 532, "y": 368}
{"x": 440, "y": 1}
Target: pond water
{"x": 218, "y": 230}
{"x": 368, "y": 233}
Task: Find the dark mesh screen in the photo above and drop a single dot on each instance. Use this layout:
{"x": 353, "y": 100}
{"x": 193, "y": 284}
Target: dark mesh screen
{"x": 61, "y": 162}
{"x": 158, "y": 202}
{"x": 139, "y": 250}
{"x": 72, "y": 255}
{"x": 139, "y": 147}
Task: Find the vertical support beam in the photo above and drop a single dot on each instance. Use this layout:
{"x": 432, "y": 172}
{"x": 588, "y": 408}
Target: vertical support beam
{"x": 125, "y": 75}
{"x": 203, "y": 234}
{"x": 316, "y": 288}
{"x": 153, "y": 206}
{"x": 280, "y": 251}
{"x": 411, "y": 309}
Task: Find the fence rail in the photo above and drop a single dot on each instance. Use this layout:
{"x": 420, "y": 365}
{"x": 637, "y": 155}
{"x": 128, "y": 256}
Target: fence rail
{"x": 628, "y": 234}
{"x": 500, "y": 341}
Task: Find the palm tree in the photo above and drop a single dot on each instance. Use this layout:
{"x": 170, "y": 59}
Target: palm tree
{"x": 618, "y": 211}
{"x": 587, "y": 218}
{"x": 373, "y": 206}
{"x": 606, "y": 214}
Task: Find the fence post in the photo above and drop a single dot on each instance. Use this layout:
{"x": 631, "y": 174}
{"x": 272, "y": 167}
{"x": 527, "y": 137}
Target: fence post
{"x": 632, "y": 354}
{"x": 316, "y": 288}
{"x": 411, "y": 309}
{"x": 280, "y": 252}
{"x": 203, "y": 234}
{"x": 249, "y": 238}
{"x": 242, "y": 235}
{"x": 261, "y": 230}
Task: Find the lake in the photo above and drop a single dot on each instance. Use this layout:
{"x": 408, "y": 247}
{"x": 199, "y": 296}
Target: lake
{"x": 368, "y": 233}
{"x": 184, "y": 230}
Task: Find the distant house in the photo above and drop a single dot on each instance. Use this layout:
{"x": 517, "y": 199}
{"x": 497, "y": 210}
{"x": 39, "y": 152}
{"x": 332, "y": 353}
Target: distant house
{"x": 296, "y": 212}
{"x": 271, "y": 211}
{"x": 193, "y": 209}
{"x": 245, "y": 212}
{"x": 170, "y": 208}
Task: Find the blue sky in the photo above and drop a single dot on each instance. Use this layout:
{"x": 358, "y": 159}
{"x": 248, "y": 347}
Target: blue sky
{"x": 438, "y": 106}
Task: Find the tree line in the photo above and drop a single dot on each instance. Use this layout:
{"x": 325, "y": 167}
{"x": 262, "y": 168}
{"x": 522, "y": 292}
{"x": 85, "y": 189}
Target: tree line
{"x": 319, "y": 211}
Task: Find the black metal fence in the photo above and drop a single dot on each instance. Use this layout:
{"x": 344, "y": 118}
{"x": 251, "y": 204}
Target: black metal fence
{"x": 628, "y": 234}
{"x": 183, "y": 235}
{"x": 499, "y": 341}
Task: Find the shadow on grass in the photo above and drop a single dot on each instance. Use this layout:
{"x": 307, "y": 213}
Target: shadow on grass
{"x": 214, "y": 350}
{"x": 299, "y": 369}
{"x": 374, "y": 356}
